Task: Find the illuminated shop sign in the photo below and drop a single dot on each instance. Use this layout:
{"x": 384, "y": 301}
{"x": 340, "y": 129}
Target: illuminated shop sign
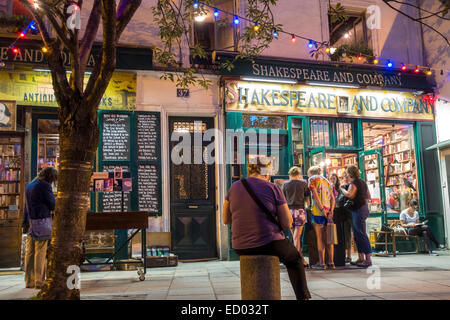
{"x": 301, "y": 99}
{"x": 326, "y": 73}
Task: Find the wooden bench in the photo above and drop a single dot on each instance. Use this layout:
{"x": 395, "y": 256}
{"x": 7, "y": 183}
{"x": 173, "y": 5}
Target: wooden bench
{"x": 394, "y": 236}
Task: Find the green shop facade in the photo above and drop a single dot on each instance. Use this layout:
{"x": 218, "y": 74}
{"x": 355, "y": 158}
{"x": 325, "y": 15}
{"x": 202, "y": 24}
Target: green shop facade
{"x": 335, "y": 115}
{"x": 129, "y": 139}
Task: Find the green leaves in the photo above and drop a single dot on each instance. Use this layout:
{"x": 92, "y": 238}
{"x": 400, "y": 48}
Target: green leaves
{"x": 337, "y": 13}
{"x": 175, "y": 20}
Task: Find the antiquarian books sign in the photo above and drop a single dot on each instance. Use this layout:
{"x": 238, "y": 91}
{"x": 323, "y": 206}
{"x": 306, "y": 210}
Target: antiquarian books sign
{"x": 301, "y": 99}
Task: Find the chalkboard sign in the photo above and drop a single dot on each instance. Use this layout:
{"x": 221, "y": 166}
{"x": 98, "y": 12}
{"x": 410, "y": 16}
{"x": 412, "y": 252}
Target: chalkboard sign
{"x": 112, "y": 201}
{"x": 147, "y": 137}
{"x": 148, "y": 184}
{"x": 116, "y": 137}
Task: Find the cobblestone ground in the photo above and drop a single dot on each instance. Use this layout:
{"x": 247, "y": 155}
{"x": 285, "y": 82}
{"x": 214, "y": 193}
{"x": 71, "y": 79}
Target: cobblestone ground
{"x": 414, "y": 276}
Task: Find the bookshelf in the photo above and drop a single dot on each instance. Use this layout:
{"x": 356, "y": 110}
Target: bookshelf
{"x": 338, "y": 163}
{"x": 297, "y": 143}
{"x": 11, "y": 199}
{"x": 399, "y": 162}
{"x": 48, "y": 151}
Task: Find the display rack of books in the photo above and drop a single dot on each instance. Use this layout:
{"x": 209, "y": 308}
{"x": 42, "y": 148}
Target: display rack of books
{"x": 11, "y": 191}
{"x": 338, "y": 163}
{"x": 371, "y": 166}
{"x": 48, "y": 152}
{"x": 297, "y": 143}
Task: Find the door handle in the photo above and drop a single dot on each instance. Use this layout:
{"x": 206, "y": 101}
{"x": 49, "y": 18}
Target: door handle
{"x": 193, "y": 207}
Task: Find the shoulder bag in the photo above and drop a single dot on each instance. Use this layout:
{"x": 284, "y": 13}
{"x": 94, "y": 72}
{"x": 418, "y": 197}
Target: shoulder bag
{"x": 260, "y": 204}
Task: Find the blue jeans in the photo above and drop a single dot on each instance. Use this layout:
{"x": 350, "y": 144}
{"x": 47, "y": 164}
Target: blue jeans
{"x": 359, "y": 229}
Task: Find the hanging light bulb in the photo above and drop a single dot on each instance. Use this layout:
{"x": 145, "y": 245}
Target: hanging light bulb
{"x": 327, "y": 50}
{"x": 293, "y": 38}
{"x": 429, "y": 72}
{"x": 375, "y": 61}
{"x": 275, "y": 33}
{"x": 256, "y": 27}
{"x": 360, "y": 57}
{"x": 310, "y": 44}
{"x": 195, "y": 5}
{"x": 22, "y": 35}
{"x": 403, "y": 67}
{"x": 44, "y": 49}
{"x": 389, "y": 64}
{"x": 216, "y": 13}
{"x": 236, "y": 20}
{"x": 417, "y": 69}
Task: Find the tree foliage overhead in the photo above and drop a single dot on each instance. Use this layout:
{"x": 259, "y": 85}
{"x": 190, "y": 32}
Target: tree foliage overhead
{"x": 174, "y": 19}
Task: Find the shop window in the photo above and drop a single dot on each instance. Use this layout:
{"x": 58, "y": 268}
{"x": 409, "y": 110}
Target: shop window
{"x": 297, "y": 143}
{"x": 399, "y": 162}
{"x": 263, "y": 122}
{"x": 344, "y": 134}
{"x": 320, "y": 133}
{"x": 215, "y": 33}
{"x": 48, "y": 137}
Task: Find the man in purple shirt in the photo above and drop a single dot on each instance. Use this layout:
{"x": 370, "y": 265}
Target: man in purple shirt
{"x": 254, "y": 233}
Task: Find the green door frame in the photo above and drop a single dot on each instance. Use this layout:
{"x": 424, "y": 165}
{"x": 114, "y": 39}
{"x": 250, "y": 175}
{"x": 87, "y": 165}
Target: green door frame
{"x": 315, "y": 151}
{"x": 290, "y": 138}
{"x": 381, "y": 178}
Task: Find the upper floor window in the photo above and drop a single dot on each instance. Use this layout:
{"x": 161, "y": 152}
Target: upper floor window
{"x": 349, "y": 36}
{"x": 215, "y": 33}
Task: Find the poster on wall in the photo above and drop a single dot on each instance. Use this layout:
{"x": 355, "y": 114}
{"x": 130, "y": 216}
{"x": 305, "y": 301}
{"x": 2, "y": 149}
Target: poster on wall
{"x": 8, "y": 111}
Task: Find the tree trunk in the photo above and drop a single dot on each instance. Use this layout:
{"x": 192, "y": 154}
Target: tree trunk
{"x": 78, "y": 145}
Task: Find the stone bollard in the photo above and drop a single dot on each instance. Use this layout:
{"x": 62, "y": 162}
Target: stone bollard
{"x": 260, "y": 278}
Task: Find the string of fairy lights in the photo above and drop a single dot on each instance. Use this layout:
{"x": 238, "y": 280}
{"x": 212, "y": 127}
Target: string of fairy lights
{"x": 311, "y": 43}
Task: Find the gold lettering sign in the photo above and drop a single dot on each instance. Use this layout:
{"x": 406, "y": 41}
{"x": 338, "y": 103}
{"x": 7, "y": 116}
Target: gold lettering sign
{"x": 36, "y": 89}
{"x": 315, "y": 100}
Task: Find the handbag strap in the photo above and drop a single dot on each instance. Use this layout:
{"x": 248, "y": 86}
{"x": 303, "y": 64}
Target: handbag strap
{"x": 260, "y": 204}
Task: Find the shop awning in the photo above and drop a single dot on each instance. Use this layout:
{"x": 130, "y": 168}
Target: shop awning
{"x": 441, "y": 145}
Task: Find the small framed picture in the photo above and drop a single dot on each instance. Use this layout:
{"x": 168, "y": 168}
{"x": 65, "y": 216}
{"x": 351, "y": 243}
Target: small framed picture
{"x": 108, "y": 185}
{"x": 117, "y": 173}
{"x": 99, "y": 185}
{"x": 118, "y": 185}
{"x": 343, "y": 106}
{"x": 126, "y": 184}
{"x": 8, "y": 111}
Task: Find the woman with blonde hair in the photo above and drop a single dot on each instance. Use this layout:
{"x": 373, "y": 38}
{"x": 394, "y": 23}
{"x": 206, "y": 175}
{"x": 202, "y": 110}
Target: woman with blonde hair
{"x": 359, "y": 193}
{"x": 296, "y": 192}
{"x": 258, "y": 213}
{"x": 323, "y": 204}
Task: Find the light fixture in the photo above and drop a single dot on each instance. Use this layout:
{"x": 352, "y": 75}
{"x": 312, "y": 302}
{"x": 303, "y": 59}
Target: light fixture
{"x": 256, "y": 27}
{"x": 216, "y": 13}
{"x": 293, "y": 38}
{"x": 310, "y": 44}
{"x": 195, "y": 5}
{"x": 327, "y": 50}
{"x": 200, "y": 18}
{"x": 269, "y": 80}
{"x": 44, "y": 49}
{"x": 403, "y": 67}
{"x": 22, "y": 35}
{"x": 375, "y": 61}
{"x": 326, "y": 84}
{"x": 236, "y": 20}
{"x": 275, "y": 33}
{"x": 417, "y": 69}
{"x": 346, "y": 35}
{"x": 389, "y": 64}
{"x": 429, "y": 72}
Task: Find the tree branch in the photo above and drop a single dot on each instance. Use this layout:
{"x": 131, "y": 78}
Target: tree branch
{"x": 40, "y": 22}
{"x": 416, "y": 20}
{"x": 91, "y": 32}
{"x": 125, "y": 12}
{"x": 104, "y": 68}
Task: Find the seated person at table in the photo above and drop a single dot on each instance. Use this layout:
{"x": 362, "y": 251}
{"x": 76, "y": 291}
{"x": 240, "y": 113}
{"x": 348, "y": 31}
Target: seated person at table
{"x": 410, "y": 221}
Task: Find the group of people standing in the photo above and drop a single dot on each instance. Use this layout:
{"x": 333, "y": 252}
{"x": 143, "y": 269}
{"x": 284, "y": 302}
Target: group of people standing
{"x": 330, "y": 201}
{"x": 252, "y": 203}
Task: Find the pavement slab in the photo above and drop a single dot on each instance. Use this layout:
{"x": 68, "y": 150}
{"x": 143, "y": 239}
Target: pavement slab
{"x": 405, "y": 277}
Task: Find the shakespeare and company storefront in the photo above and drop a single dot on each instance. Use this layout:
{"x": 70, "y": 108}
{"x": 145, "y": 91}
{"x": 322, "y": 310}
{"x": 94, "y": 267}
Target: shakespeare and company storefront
{"x": 341, "y": 120}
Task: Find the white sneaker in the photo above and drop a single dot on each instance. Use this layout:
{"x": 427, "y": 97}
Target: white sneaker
{"x": 431, "y": 253}
{"x": 442, "y": 247}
